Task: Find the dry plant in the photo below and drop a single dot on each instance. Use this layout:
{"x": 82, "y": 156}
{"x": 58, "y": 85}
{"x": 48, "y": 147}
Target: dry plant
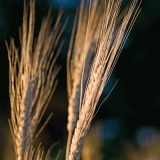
{"x": 107, "y": 50}
{"x": 32, "y": 73}
{"x": 85, "y": 34}
{"x": 96, "y": 43}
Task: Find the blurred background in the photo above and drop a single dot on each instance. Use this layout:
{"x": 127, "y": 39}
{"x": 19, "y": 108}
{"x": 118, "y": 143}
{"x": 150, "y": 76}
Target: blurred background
{"x": 127, "y": 125}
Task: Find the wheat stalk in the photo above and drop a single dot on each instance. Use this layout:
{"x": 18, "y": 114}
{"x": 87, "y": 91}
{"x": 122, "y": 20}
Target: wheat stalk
{"x": 32, "y": 73}
{"x": 84, "y": 36}
{"x": 107, "y": 52}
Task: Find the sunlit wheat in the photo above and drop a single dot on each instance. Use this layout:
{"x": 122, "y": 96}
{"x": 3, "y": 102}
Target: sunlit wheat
{"x": 107, "y": 50}
{"x": 32, "y": 73}
{"x": 84, "y": 37}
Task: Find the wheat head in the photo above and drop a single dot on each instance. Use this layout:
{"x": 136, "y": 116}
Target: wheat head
{"x": 107, "y": 50}
{"x": 32, "y": 73}
{"x": 84, "y": 36}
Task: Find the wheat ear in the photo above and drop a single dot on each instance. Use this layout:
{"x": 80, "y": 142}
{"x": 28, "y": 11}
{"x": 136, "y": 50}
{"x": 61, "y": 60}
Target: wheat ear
{"x": 32, "y": 73}
{"x": 81, "y": 51}
{"x": 107, "y": 52}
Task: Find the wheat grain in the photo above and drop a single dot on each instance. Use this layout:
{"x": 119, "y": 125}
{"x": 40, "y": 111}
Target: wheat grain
{"x": 32, "y": 73}
{"x": 107, "y": 53}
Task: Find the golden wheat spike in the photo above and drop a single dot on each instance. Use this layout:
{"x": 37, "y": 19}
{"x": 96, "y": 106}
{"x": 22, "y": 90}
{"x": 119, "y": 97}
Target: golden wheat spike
{"x": 87, "y": 29}
{"x": 107, "y": 50}
{"x": 32, "y": 73}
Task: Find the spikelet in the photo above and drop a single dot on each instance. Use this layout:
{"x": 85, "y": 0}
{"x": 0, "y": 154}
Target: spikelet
{"x": 108, "y": 48}
{"x": 32, "y": 73}
{"x": 39, "y": 154}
